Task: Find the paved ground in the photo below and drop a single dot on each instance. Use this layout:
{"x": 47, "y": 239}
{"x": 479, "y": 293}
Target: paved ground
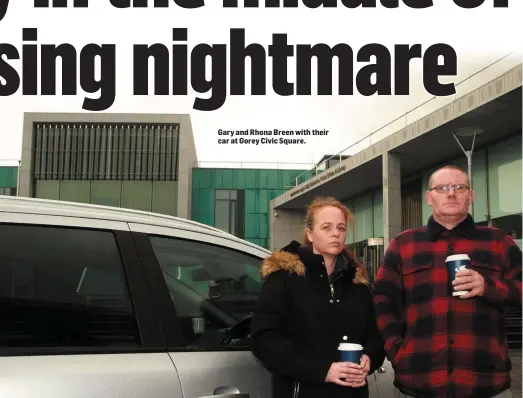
{"x": 515, "y": 356}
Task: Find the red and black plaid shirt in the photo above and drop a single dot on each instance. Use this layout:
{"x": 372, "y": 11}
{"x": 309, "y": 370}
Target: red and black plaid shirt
{"x": 440, "y": 345}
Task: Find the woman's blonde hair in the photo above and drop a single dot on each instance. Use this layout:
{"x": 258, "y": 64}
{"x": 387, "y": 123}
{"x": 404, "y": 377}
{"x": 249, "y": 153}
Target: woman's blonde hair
{"x": 313, "y": 208}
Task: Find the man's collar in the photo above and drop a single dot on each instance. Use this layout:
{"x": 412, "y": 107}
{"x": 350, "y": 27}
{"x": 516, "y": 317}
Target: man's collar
{"x": 466, "y": 227}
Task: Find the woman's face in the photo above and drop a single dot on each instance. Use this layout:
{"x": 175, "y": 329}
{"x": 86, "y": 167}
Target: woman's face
{"x": 329, "y": 229}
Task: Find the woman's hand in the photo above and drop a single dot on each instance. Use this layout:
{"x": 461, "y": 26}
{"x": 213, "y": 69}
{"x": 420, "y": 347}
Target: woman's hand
{"x": 346, "y": 374}
{"x": 365, "y": 367}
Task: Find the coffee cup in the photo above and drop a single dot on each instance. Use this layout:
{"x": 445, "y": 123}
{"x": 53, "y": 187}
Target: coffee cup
{"x": 350, "y": 352}
{"x": 455, "y": 263}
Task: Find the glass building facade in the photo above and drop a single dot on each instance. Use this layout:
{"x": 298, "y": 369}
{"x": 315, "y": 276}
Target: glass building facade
{"x": 238, "y": 200}
{"x": 132, "y": 173}
{"x": 8, "y": 180}
{"x": 497, "y": 186}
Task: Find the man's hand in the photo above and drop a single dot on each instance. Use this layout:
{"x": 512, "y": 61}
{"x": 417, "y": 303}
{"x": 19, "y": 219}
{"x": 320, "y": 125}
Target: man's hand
{"x": 345, "y": 374}
{"x": 471, "y": 280}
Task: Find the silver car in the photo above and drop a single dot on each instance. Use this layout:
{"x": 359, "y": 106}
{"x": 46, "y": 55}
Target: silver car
{"x": 108, "y": 302}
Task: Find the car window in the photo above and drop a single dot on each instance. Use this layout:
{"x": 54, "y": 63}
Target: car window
{"x": 63, "y": 287}
{"x": 213, "y": 288}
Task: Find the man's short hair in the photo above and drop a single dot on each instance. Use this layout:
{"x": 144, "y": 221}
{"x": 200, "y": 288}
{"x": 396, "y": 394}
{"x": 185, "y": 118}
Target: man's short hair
{"x": 452, "y": 167}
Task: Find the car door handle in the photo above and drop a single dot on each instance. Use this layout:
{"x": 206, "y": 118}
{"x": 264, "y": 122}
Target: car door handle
{"x": 233, "y": 395}
{"x": 226, "y": 392}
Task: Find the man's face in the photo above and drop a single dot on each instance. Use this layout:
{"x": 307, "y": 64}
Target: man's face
{"x": 449, "y": 203}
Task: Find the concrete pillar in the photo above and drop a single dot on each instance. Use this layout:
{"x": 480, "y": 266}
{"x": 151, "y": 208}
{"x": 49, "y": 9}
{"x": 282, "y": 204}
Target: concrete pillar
{"x": 391, "y": 196}
{"x": 25, "y": 173}
{"x": 286, "y": 225}
{"x": 187, "y": 160}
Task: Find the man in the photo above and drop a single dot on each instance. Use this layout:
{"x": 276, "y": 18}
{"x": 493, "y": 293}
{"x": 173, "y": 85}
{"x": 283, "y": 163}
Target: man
{"x": 442, "y": 345}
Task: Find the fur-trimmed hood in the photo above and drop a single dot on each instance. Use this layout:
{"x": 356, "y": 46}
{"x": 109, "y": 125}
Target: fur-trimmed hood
{"x": 293, "y": 258}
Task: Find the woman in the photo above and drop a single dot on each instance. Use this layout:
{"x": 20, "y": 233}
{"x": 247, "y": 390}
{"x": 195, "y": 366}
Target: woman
{"x": 314, "y": 297}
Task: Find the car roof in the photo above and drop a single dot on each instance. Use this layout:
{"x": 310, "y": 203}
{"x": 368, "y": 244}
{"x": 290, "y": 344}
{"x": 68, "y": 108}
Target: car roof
{"x": 18, "y": 204}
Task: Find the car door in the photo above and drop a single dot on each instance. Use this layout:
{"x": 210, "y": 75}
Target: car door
{"x": 212, "y": 284}
{"x": 384, "y": 381}
{"x": 76, "y": 316}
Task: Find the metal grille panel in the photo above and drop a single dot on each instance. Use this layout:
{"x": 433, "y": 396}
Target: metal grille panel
{"x": 74, "y": 151}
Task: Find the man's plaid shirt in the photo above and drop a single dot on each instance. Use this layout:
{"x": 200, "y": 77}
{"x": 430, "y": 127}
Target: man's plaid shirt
{"x": 440, "y": 345}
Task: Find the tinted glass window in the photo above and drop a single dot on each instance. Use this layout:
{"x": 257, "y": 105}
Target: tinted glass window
{"x": 9, "y": 191}
{"x": 213, "y": 288}
{"x": 62, "y": 287}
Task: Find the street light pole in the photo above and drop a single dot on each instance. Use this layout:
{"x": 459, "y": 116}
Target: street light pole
{"x": 467, "y": 132}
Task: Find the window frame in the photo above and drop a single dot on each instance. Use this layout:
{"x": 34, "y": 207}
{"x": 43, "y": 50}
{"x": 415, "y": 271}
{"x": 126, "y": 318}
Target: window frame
{"x": 139, "y": 291}
{"x": 174, "y": 338}
{"x": 236, "y": 222}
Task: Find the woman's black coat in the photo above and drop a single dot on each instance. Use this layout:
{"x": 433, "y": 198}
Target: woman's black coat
{"x": 298, "y": 323}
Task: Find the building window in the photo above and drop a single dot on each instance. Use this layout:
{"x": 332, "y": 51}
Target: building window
{"x": 229, "y": 211}
{"x": 9, "y": 191}
{"x": 107, "y": 151}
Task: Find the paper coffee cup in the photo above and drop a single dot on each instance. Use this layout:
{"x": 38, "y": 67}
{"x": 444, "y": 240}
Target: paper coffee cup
{"x": 350, "y": 352}
{"x": 455, "y": 263}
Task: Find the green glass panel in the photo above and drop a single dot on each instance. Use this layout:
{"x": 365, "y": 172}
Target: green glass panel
{"x": 75, "y": 191}
{"x": 206, "y": 201}
{"x": 257, "y": 178}
{"x": 364, "y": 217}
{"x": 227, "y": 179}
{"x": 165, "y": 197}
{"x": 256, "y": 201}
{"x": 8, "y": 176}
{"x": 288, "y": 178}
{"x": 263, "y": 221}
{"x": 195, "y": 203}
{"x": 504, "y": 174}
{"x": 250, "y": 201}
{"x": 207, "y": 219}
{"x": 251, "y": 227}
{"x": 203, "y": 178}
{"x": 47, "y": 189}
{"x": 274, "y": 178}
{"x": 250, "y": 179}
{"x": 241, "y": 179}
{"x": 378, "y": 213}
{"x": 264, "y": 201}
{"x": 235, "y": 174}
{"x": 350, "y": 228}
{"x": 264, "y": 179}
{"x": 106, "y": 193}
{"x": 274, "y": 193}
{"x": 195, "y": 177}
{"x": 306, "y": 176}
{"x": 218, "y": 179}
